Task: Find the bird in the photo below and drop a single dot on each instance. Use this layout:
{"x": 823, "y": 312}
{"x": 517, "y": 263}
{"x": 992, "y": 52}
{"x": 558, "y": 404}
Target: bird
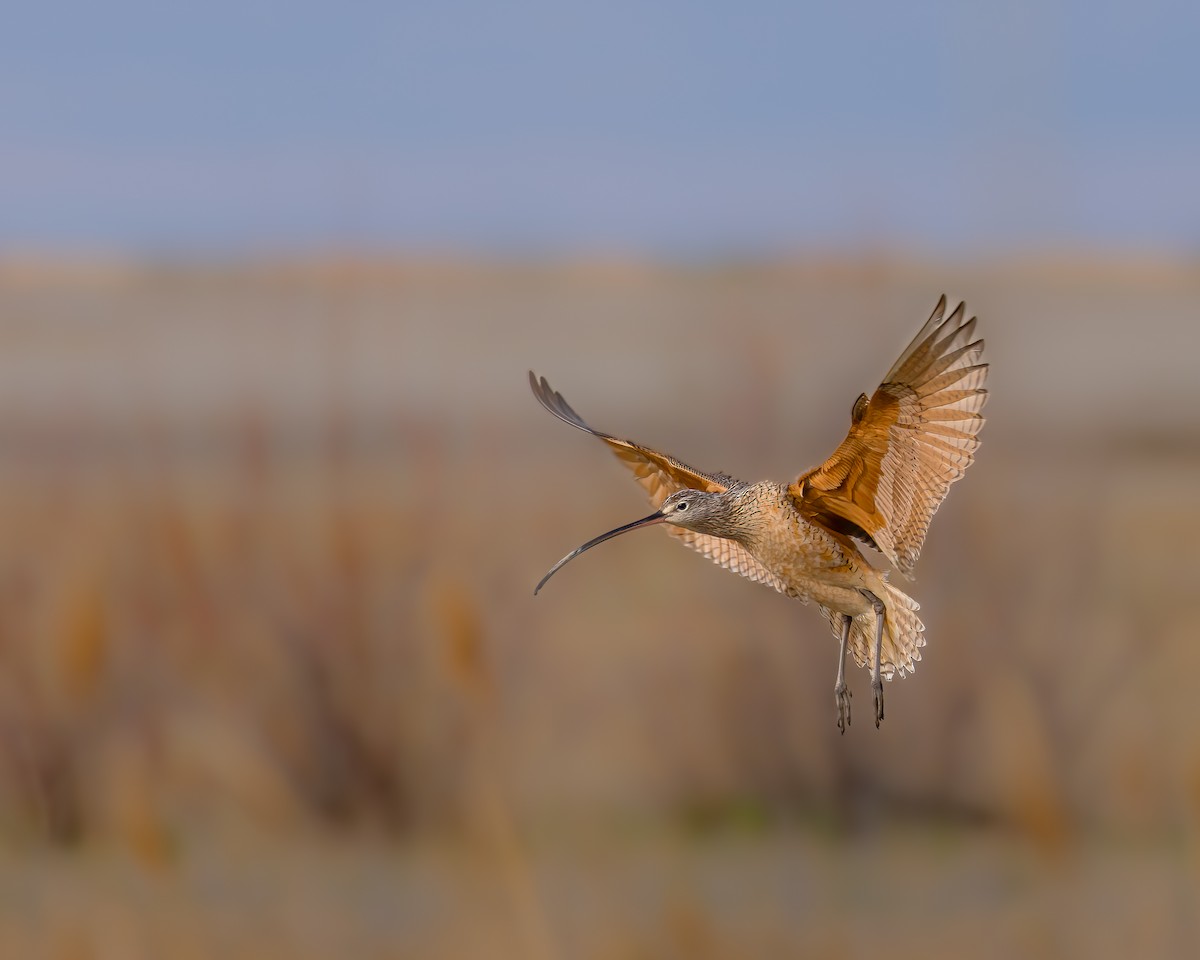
{"x": 908, "y": 442}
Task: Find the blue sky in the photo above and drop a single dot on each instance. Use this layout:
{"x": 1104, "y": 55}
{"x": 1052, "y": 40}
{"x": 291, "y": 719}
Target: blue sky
{"x": 666, "y": 128}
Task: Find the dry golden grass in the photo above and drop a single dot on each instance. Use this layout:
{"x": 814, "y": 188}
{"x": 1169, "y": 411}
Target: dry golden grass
{"x": 272, "y": 680}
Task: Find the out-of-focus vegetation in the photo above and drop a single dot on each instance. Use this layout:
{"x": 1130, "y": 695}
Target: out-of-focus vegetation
{"x": 272, "y": 678}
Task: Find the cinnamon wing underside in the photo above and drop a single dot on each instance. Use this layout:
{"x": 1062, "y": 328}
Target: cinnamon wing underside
{"x": 661, "y": 475}
{"x": 913, "y": 438}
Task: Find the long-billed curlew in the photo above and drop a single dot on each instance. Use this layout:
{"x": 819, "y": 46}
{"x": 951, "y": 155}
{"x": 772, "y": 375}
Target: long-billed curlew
{"x": 907, "y": 443}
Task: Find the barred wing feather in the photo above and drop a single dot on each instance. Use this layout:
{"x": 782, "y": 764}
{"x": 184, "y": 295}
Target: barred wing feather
{"x": 661, "y": 475}
{"x": 916, "y": 435}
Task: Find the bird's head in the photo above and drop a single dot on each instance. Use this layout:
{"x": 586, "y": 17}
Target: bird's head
{"x": 699, "y": 510}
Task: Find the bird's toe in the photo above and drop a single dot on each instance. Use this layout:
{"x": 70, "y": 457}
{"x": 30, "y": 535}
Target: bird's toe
{"x": 841, "y": 697}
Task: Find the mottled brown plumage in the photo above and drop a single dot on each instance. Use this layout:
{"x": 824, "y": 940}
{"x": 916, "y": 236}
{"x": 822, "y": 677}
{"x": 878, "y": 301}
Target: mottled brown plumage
{"x": 907, "y": 443}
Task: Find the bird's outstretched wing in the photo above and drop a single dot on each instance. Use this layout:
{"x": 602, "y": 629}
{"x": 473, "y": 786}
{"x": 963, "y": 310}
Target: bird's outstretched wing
{"x": 914, "y": 437}
{"x": 660, "y": 476}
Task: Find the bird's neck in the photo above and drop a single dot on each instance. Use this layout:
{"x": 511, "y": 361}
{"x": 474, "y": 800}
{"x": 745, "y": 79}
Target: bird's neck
{"x": 754, "y": 511}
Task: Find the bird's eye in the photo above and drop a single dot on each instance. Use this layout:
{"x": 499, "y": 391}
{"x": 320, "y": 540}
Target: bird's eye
{"x": 681, "y": 506}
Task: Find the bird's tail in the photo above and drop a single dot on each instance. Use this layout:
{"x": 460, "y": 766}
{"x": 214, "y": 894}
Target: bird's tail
{"x": 903, "y": 634}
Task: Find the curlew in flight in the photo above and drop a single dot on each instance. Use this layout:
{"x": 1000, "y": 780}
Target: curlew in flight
{"x": 907, "y": 443}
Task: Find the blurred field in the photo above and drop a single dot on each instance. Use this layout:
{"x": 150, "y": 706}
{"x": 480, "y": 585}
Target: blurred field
{"x": 273, "y": 681}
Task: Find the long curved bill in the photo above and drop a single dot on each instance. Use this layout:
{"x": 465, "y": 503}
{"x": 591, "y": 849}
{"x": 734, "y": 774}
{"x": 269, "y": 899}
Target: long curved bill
{"x": 656, "y": 517}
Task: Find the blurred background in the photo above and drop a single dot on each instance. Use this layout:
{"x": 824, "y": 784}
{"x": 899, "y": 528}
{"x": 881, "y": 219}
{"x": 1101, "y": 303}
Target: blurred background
{"x": 274, "y": 494}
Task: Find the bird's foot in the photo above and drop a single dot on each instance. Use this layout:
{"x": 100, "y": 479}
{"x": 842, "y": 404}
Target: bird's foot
{"x": 877, "y": 688}
{"x": 841, "y": 696}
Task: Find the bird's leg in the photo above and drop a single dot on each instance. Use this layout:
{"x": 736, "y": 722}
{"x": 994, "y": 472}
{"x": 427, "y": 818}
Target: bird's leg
{"x": 841, "y": 693}
{"x": 876, "y": 679}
